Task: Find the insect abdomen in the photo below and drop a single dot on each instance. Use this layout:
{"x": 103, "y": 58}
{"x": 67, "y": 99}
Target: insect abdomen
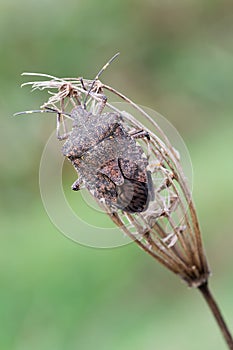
{"x": 132, "y": 196}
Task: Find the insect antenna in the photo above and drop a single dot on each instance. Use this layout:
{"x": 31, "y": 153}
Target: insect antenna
{"x": 47, "y": 110}
{"x": 98, "y": 75}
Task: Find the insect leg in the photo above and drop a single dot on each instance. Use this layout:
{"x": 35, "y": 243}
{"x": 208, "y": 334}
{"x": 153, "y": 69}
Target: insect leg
{"x": 140, "y": 134}
{"x": 63, "y": 121}
{"x": 77, "y": 185}
{"x": 101, "y": 105}
{"x": 60, "y": 120}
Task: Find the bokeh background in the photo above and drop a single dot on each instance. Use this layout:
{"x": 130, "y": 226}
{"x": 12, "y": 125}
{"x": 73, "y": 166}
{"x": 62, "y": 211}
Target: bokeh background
{"x": 176, "y": 57}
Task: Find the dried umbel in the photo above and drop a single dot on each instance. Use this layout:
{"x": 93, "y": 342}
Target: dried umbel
{"x": 135, "y": 175}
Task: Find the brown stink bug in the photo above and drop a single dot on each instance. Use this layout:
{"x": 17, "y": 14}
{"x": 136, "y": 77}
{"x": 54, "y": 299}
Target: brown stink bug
{"x": 128, "y": 166}
{"x": 109, "y": 161}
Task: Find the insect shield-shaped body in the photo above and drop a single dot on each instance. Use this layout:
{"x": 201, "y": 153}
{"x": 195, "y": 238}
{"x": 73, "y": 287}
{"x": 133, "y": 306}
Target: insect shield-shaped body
{"x": 109, "y": 162}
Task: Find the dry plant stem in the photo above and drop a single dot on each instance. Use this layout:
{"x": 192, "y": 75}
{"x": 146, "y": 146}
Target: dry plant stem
{"x": 204, "y": 289}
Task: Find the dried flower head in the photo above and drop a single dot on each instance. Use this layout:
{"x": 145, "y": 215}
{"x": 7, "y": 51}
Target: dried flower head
{"x": 168, "y": 229}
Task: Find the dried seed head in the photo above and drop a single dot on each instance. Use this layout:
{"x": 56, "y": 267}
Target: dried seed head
{"x": 168, "y": 229}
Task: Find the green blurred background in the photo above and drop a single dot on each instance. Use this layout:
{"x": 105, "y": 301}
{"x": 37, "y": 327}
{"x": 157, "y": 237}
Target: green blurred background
{"x": 176, "y": 57}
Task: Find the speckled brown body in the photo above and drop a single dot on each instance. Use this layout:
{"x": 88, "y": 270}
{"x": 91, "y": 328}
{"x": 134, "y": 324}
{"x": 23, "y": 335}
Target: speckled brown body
{"x": 110, "y": 164}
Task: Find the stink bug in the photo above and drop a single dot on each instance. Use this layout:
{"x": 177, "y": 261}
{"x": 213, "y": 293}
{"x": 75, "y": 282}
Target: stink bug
{"x": 109, "y": 161}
